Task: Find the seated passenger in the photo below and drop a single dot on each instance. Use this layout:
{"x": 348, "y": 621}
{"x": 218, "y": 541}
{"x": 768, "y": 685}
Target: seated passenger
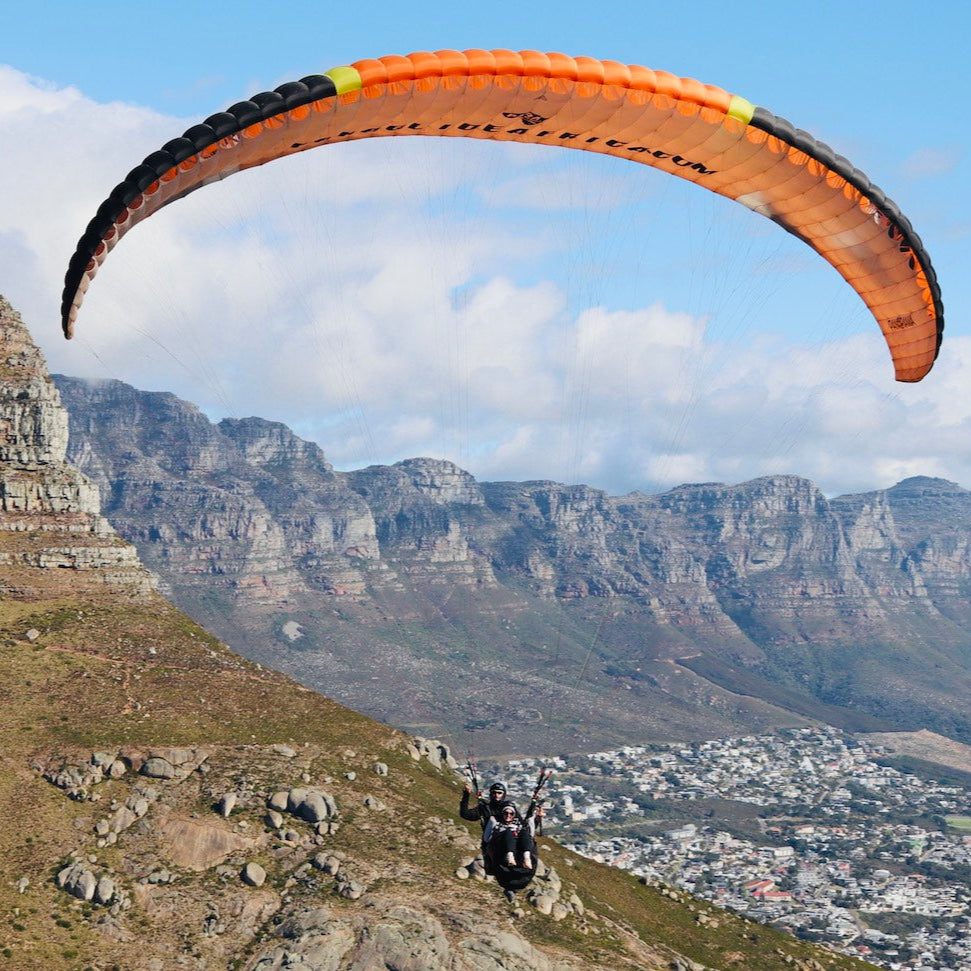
{"x": 511, "y": 841}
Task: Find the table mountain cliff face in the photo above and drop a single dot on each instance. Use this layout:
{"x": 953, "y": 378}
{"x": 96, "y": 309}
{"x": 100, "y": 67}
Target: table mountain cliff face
{"x": 49, "y": 512}
{"x": 535, "y": 614}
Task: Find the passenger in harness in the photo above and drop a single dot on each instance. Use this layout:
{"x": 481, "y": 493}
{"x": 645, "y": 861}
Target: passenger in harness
{"x": 510, "y": 839}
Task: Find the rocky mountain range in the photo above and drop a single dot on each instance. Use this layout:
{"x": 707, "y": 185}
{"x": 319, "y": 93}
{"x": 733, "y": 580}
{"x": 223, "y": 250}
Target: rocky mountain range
{"x": 167, "y": 803}
{"x": 538, "y": 616}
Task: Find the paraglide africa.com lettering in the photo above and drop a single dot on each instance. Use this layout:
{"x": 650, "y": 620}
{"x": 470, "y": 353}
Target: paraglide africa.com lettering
{"x": 468, "y": 128}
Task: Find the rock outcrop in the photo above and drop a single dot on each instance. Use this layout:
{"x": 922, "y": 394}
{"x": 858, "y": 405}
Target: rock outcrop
{"x": 49, "y": 512}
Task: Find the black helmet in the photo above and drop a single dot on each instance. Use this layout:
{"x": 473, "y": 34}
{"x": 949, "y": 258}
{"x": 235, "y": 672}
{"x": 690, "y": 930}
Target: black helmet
{"x": 497, "y": 787}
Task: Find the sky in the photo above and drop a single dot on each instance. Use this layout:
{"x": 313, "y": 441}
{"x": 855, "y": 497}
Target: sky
{"x": 526, "y": 313}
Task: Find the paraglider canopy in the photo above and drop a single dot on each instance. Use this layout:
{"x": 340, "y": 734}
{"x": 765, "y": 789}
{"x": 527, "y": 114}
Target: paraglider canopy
{"x": 691, "y": 130}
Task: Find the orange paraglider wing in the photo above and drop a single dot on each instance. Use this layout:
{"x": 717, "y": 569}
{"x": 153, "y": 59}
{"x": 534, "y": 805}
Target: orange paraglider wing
{"x": 681, "y": 126}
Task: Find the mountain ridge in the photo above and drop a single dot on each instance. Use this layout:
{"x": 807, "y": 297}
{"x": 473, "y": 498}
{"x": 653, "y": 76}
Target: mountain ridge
{"x": 708, "y": 609}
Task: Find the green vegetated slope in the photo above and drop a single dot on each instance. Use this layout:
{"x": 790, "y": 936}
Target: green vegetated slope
{"x": 79, "y": 676}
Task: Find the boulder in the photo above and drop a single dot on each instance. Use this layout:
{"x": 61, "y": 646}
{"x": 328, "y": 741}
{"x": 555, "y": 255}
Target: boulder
{"x": 122, "y": 818}
{"x": 327, "y": 862}
{"x": 75, "y": 780}
{"x": 278, "y": 801}
{"x": 295, "y": 798}
{"x": 78, "y": 881}
{"x": 350, "y": 889}
{"x": 104, "y": 891}
{"x": 156, "y": 767}
{"x": 313, "y": 807}
{"x": 253, "y": 874}
{"x": 542, "y": 902}
{"x": 138, "y": 804}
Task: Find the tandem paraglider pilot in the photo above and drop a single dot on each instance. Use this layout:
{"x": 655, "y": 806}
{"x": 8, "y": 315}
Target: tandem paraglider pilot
{"x": 483, "y": 810}
{"x": 508, "y": 837}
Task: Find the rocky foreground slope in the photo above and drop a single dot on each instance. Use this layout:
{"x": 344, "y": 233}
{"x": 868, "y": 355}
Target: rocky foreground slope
{"x": 420, "y": 596}
{"x": 167, "y": 804}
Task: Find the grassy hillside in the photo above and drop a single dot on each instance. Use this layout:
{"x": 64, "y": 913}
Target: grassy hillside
{"x": 79, "y": 676}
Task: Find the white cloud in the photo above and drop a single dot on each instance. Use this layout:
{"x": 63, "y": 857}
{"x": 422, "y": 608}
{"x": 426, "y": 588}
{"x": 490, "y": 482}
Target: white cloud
{"x": 931, "y": 162}
{"x": 367, "y": 297}
{"x": 60, "y": 158}
{"x": 549, "y": 184}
